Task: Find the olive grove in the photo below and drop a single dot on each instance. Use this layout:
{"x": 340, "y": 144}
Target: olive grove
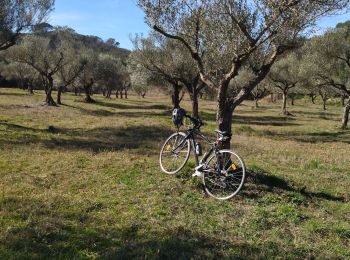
{"x": 221, "y": 36}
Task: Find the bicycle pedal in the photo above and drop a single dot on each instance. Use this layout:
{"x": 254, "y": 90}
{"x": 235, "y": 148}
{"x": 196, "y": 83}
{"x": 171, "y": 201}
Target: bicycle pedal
{"x": 197, "y": 174}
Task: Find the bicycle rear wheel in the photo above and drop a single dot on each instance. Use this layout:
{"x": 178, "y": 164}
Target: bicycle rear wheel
{"x": 174, "y": 153}
{"x": 224, "y": 175}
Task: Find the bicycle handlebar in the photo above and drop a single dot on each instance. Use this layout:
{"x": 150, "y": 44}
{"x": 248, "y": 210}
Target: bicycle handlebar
{"x": 197, "y": 122}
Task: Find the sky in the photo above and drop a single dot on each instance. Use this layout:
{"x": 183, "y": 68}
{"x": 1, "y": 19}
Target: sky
{"x": 119, "y": 19}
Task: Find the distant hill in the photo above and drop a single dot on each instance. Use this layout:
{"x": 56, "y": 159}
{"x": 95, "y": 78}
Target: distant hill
{"x": 89, "y": 41}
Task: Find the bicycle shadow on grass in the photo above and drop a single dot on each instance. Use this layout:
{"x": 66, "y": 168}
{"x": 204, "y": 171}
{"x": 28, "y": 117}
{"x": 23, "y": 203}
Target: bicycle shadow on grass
{"x": 260, "y": 182}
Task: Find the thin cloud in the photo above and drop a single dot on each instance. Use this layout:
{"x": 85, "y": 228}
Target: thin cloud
{"x": 65, "y": 18}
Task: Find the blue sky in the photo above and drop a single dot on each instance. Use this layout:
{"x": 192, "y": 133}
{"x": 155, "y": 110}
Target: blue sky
{"x": 120, "y": 18}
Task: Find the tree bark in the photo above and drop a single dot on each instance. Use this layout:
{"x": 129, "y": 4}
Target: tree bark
{"x": 224, "y": 120}
{"x": 117, "y": 94}
{"x": 108, "y": 93}
{"x": 175, "y": 97}
{"x": 256, "y": 100}
{"x": 194, "y": 99}
{"x": 324, "y": 103}
{"x": 49, "y": 100}
{"x": 200, "y": 94}
{"x": 284, "y": 104}
{"x": 87, "y": 90}
{"x": 343, "y": 100}
{"x": 126, "y": 93}
{"x": 292, "y": 100}
{"x": 313, "y": 97}
{"x": 345, "y": 119}
{"x": 59, "y": 94}
{"x": 121, "y": 94}
{"x": 30, "y": 89}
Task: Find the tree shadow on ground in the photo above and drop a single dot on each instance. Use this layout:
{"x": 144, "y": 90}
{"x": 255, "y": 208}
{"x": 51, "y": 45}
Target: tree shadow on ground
{"x": 15, "y": 106}
{"x": 260, "y": 183}
{"x": 105, "y": 113}
{"x": 314, "y": 137}
{"x": 254, "y": 120}
{"x": 100, "y": 139}
{"x": 16, "y": 127}
{"x": 316, "y": 114}
{"x": 57, "y": 237}
{"x": 130, "y": 106}
{"x": 181, "y": 243}
{"x": 144, "y": 113}
{"x": 16, "y": 94}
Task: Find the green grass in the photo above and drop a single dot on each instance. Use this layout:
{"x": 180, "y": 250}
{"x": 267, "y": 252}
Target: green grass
{"x": 83, "y": 181}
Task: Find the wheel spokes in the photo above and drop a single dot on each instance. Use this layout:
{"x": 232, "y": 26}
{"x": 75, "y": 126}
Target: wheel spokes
{"x": 225, "y": 175}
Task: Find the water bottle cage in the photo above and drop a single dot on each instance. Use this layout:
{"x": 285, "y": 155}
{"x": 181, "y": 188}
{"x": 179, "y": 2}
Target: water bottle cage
{"x": 223, "y": 138}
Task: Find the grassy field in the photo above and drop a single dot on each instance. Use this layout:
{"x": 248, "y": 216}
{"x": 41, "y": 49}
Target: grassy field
{"x": 83, "y": 181}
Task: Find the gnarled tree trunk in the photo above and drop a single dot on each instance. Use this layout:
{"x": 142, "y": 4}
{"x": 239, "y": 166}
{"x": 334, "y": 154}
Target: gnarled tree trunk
{"x": 59, "y": 94}
{"x": 194, "y": 99}
{"x": 324, "y": 101}
{"x": 343, "y": 100}
{"x": 224, "y": 120}
{"x": 313, "y": 97}
{"x": 256, "y": 102}
{"x": 87, "y": 90}
{"x": 48, "y": 89}
{"x": 292, "y": 100}
{"x": 284, "y": 104}
{"x": 108, "y": 93}
{"x": 175, "y": 97}
{"x": 345, "y": 119}
{"x": 30, "y": 89}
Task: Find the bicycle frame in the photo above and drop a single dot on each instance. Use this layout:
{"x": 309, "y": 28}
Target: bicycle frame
{"x": 191, "y": 135}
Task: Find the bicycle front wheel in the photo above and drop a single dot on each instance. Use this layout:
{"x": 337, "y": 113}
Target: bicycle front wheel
{"x": 174, "y": 153}
{"x": 224, "y": 175}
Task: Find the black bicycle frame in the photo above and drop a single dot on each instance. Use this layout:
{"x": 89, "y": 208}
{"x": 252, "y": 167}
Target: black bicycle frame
{"x": 191, "y": 135}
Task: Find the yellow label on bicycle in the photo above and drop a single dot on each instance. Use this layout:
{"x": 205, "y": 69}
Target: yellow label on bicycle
{"x": 233, "y": 166}
{"x": 168, "y": 147}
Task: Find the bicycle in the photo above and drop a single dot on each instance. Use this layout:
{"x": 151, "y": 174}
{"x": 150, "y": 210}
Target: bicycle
{"x": 222, "y": 170}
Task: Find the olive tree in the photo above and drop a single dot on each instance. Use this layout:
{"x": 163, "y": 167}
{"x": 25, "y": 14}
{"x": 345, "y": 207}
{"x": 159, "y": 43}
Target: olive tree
{"x": 260, "y": 92}
{"x": 88, "y": 76}
{"x": 285, "y": 76}
{"x": 20, "y": 16}
{"x": 73, "y": 63}
{"x": 110, "y": 72}
{"x": 44, "y": 54}
{"x": 141, "y": 79}
{"x": 171, "y": 62}
{"x": 327, "y": 64}
{"x": 221, "y": 35}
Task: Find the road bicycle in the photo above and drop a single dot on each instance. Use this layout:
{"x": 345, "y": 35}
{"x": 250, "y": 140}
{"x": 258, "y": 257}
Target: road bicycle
{"x": 222, "y": 171}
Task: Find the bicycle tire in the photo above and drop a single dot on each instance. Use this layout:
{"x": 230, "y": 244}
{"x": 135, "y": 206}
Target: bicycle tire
{"x": 171, "y": 153}
{"x": 223, "y": 180}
